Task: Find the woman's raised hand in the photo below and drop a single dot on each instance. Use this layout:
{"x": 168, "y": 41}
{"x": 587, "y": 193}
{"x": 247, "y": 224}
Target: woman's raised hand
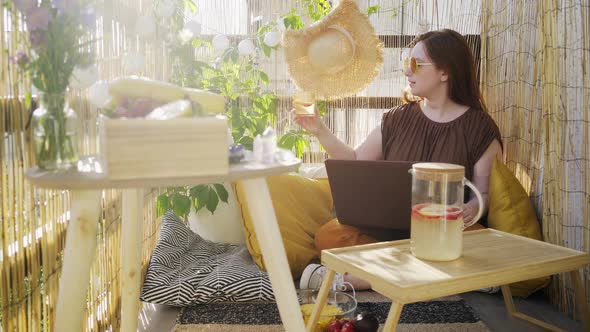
{"x": 311, "y": 122}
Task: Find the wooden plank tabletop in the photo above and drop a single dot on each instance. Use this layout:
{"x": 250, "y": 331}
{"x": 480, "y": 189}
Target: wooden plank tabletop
{"x": 490, "y": 258}
{"x": 73, "y": 179}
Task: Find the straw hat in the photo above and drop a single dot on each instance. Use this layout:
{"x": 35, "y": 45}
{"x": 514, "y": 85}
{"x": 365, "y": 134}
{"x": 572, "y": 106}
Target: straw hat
{"x": 336, "y": 56}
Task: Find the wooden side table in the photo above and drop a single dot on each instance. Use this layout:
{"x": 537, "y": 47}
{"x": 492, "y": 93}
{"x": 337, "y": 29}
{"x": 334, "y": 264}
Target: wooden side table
{"x": 490, "y": 258}
{"x": 82, "y": 230}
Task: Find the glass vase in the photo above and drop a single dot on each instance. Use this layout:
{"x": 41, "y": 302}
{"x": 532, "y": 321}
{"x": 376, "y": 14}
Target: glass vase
{"x": 55, "y": 133}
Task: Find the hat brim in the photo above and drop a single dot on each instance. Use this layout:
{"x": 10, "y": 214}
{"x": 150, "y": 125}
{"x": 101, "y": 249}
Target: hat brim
{"x": 358, "y": 74}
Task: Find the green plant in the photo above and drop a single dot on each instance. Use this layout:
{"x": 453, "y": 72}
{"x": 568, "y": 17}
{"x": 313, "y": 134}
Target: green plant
{"x": 57, "y": 44}
{"x": 316, "y": 9}
{"x": 373, "y": 9}
{"x": 181, "y": 199}
{"x": 250, "y": 108}
{"x": 56, "y": 41}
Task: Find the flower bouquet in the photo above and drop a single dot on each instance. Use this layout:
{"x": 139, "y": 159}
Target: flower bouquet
{"x": 58, "y": 47}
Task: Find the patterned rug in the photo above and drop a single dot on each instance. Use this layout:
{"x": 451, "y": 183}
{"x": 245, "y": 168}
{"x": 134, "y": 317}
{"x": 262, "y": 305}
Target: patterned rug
{"x": 444, "y": 314}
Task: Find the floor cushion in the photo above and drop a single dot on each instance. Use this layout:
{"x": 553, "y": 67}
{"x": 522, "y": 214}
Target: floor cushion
{"x": 301, "y": 206}
{"x": 511, "y": 211}
{"x": 186, "y": 269}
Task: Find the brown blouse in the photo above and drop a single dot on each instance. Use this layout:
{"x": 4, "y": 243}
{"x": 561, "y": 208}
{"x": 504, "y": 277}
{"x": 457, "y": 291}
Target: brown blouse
{"x": 409, "y": 135}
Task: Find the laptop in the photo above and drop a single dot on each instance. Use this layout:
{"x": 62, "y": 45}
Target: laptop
{"x": 372, "y": 195}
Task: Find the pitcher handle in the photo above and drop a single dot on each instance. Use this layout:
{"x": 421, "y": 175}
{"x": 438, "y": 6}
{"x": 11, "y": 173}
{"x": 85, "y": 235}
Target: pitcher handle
{"x": 479, "y": 199}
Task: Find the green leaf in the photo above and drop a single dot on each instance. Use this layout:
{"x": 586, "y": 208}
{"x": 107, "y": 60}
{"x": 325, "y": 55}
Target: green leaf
{"x": 266, "y": 49}
{"x": 296, "y": 141}
{"x": 162, "y": 204}
{"x": 228, "y": 54}
{"x": 202, "y": 198}
{"x": 181, "y": 205}
{"x": 194, "y": 191}
{"x": 287, "y": 141}
{"x": 322, "y": 107}
{"x": 273, "y": 104}
{"x": 190, "y": 5}
{"x": 317, "y": 9}
{"x": 38, "y": 83}
{"x": 262, "y": 124}
{"x": 196, "y": 43}
{"x": 252, "y": 125}
{"x": 263, "y": 76}
{"x": 221, "y": 192}
{"x": 237, "y": 134}
{"x": 259, "y": 103}
{"x": 299, "y": 147}
{"x": 264, "y": 29}
{"x": 293, "y": 21}
{"x": 373, "y": 10}
{"x": 213, "y": 201}
{"x": 28, "y": 100}
{"x": 235, "y": 55}
{"x": 236, "y": 121}
{"x": 247, "y": 142}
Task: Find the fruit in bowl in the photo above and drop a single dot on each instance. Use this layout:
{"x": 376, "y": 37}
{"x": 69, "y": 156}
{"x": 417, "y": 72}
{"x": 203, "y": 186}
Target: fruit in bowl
{"x": 341, "y": 325}
{"x": 140, "y": 97}
{"x": 339, "y": 306}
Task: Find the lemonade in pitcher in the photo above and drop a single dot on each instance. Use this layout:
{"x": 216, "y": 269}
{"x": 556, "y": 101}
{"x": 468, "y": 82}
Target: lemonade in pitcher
{"x": 437, "y": 232}
{"x": 437, "y": 210}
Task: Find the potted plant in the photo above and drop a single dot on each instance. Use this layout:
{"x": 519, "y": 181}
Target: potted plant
{"x": 237, "y": 77}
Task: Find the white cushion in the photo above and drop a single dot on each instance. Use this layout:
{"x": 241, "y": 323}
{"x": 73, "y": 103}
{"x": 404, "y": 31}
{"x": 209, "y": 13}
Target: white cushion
{"x": 313, "y": 171}
{"x": 224, "y": 225}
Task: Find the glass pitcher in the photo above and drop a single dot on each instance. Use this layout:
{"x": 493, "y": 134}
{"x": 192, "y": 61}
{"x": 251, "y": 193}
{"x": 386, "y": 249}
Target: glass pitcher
{"x": 437, "y": 210}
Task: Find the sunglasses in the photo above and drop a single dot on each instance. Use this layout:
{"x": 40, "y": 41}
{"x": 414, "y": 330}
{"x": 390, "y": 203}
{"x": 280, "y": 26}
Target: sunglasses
{"x": 412, "y": 64}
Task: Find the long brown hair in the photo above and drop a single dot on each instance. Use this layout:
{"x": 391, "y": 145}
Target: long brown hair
{"x": 449, "y": 51}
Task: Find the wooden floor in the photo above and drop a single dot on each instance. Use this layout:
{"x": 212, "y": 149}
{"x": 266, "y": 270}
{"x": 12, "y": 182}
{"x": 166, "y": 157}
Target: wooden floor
{"x": 157, "y": 318}
{"x": 490, "y": 308}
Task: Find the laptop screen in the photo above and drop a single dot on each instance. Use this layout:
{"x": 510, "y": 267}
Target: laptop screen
{"x": 372, "y": 195}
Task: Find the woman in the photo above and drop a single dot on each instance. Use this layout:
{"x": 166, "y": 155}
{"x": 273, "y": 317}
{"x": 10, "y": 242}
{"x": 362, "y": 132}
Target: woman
{"x": 444, "y": 120}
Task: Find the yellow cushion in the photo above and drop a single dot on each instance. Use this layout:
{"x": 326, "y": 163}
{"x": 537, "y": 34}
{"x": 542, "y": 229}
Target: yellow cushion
{"x": 301, "y": 206}
{"x": 511, "y": 211}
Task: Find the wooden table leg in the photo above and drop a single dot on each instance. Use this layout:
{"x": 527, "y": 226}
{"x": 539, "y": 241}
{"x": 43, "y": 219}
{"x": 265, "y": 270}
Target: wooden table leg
{"x": 321, "y": 300}
{"x": 507, "y": 294}
{"x": 393, "y": 317}
{"x": 78, "y": 258}
{"x": 581, "y": 299}
{"x": 273, "y": 251}
{"x": 131, "y": 240}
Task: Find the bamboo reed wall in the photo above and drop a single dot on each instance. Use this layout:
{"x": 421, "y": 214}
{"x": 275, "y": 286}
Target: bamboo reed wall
{"x": 528, "y": 50}
{"x": 536, "y": 82}
{"x": 33, "y": 221}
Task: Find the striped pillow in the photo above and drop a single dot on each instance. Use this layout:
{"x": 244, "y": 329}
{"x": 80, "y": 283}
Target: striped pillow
{"x": 186, "y": 269}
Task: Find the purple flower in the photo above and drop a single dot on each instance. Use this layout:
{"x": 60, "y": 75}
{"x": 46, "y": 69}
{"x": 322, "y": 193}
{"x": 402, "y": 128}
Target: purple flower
{"x": 24, "y": 5}
{"x": 60, "y": 5}
{"x": 20, "y": 58}
{"x": 66, "y": 6}
{"x": 38, "y": 18}
{"x": 37, "y": 38}
{"x": 88, "y": 18}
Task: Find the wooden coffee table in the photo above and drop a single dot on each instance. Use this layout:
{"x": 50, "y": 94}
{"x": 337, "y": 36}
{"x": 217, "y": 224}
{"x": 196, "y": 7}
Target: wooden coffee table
{"x": 86, "y": 189}
{"x": 490, "y": 258}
